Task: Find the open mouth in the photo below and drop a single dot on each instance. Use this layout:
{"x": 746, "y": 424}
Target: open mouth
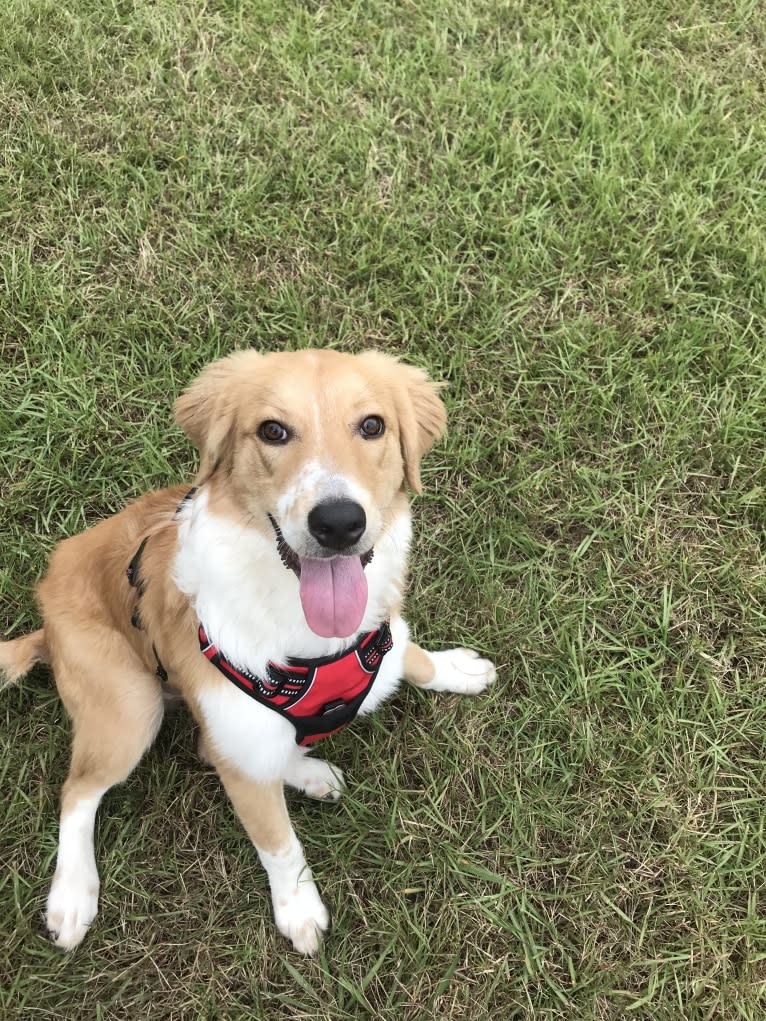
{"x": 333, "y": 589}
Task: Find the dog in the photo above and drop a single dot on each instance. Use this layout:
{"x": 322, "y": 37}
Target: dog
{"x": 269, "y": 595}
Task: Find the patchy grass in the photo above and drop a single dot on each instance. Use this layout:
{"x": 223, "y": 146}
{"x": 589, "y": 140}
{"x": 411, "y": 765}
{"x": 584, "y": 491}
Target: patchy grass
{"x": 558, "y": 208}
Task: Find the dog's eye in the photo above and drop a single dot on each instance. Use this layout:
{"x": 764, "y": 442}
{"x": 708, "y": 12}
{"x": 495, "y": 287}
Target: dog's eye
{"x": 273, "y": 432}
{"x": 372, "y": 427}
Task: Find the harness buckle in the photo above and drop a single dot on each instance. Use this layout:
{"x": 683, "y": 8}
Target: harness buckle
{"x": 332, "y": 707}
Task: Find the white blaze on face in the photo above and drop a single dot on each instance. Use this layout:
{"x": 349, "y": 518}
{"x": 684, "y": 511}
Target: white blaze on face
{"x": 300, "y": 497}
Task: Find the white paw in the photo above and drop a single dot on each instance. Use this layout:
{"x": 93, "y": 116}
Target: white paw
{"x": 316, "y": 778}
{"x": 461, "y": 671}
{"x": 301, "y": 916}
{"x": 72, "y": 906}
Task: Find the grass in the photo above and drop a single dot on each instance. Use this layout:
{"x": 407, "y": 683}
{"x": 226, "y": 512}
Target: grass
{"x": 557, "y": 208}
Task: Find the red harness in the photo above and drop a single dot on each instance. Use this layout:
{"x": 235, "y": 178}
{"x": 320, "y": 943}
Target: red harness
{"x": 318, "y": 696}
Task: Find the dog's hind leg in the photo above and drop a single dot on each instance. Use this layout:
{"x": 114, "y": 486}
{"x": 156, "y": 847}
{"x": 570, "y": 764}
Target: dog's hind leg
{"x": 115, "y": 705}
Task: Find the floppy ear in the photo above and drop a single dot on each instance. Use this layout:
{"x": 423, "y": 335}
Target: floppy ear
{"x": 206, "y": 411}
{"x": 422, "y": 418}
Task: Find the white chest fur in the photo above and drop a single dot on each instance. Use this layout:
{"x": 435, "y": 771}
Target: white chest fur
{"x": 250, "y": 606}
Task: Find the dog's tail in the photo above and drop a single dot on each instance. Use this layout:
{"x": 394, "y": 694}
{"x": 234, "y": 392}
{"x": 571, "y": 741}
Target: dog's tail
{"x": 19, "y": 656}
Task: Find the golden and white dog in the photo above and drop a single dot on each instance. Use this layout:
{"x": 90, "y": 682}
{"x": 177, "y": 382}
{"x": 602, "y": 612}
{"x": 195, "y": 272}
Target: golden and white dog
{"x": 304, "y": 458}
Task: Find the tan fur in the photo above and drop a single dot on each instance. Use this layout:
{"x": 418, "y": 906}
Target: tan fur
{"x": 418, "y": 666}
{"x": 261, "y": 808}
{"x": 19, "y": 656}
{"x": 105, "y": 669}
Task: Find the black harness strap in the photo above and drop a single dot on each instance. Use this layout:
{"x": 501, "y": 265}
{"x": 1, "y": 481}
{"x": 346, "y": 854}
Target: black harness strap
{"x": 186, "y": 499}
{"x": 132, "y": 572}
{"x": 161, "y": 671}
{"x": 134, "y": 580}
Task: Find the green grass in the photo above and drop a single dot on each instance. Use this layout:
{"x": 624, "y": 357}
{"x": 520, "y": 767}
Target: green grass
{"x": 557, "y": 208}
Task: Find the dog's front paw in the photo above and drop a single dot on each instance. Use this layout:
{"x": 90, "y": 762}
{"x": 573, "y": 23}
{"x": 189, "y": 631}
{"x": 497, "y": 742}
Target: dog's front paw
{"x": 460, "y": 671}
{"x": 302, "y": 917}
{"x": 72, "y": 906}
{"x": 316, "y": 778}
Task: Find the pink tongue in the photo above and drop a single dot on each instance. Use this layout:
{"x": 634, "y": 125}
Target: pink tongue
{"x": 333, "y": 595}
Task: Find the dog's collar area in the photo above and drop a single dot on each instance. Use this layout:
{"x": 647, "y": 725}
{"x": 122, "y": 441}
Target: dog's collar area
{"x": 290, "y": 558}
{"x": 287, "y": 554}
{"x": 318, "y": 696}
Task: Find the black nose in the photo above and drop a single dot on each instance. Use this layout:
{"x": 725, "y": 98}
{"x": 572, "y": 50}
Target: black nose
{"x": 337, "y": 524}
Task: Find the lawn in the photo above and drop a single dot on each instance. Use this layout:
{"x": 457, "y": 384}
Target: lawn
{"x": 560, "y": 210}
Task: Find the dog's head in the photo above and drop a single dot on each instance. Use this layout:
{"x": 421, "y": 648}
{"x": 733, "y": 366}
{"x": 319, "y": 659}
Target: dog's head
{"x": 316, "y": 447}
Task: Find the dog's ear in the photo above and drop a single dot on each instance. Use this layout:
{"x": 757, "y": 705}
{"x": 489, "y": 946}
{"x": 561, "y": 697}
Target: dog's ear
{"x": 422, "y": 418}
{"x": 207, "y": 409}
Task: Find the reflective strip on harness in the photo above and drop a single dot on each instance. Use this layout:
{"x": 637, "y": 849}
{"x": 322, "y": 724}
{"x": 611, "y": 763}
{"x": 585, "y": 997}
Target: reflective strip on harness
{"x": 318, "y": 696}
